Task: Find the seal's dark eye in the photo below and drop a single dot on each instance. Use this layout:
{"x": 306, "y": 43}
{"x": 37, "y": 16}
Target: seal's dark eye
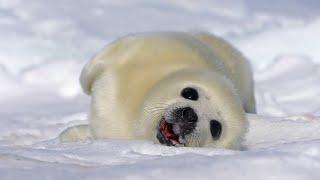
{"x": 190, "y": 93}
{"x": 215, "y": 129}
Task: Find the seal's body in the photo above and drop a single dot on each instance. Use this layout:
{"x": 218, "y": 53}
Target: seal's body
{"x": 174, "y": 88}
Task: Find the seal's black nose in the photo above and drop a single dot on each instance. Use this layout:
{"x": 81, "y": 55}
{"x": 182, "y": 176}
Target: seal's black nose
{"x": 185, "y": 119}
{"x": 185, "y": 115}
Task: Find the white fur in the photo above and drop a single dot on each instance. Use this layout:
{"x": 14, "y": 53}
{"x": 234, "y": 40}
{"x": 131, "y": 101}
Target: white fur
{"x": 137, "y": 79}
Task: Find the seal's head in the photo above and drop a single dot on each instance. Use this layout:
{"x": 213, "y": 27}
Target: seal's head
{"x": 195, "y": 108}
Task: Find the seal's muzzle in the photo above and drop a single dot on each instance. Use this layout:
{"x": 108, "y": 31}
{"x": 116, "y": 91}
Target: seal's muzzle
{"x": 173, "y": 129}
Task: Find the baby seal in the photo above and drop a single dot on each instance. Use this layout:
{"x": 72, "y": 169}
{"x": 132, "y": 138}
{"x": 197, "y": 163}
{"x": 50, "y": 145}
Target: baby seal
{"x": 174, "y": 88}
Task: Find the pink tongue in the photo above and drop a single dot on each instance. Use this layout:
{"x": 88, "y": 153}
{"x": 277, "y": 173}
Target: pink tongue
{"x": 168, "y": 133}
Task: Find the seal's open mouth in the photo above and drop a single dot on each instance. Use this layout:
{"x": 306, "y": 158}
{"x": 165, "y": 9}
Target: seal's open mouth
{"x": 173, "y": 132}
{"x": 169, "y": 134}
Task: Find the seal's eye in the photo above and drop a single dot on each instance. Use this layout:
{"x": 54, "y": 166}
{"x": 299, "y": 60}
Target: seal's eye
{"x": 215, "y": 129}
{"x": 190, "y": 93}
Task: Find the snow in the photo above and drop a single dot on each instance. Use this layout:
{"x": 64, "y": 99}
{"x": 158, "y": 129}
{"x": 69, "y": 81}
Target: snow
{"x": 45, "y": 44}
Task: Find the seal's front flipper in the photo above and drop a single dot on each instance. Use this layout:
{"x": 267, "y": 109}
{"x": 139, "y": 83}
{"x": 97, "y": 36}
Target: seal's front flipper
{"x": 76, "y": 133}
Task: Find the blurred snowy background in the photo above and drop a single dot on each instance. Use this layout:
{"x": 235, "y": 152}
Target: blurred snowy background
{"x": 44, "y": 44}
{"x": 53, "y": 39}
{"x": 38, "y": 36}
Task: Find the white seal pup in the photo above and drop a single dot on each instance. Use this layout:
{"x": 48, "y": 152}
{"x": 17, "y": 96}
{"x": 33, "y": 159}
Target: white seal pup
{"x": 177, "y": 89}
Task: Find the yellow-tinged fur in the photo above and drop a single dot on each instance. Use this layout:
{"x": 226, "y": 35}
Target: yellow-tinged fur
{"x": 136, "y": 79}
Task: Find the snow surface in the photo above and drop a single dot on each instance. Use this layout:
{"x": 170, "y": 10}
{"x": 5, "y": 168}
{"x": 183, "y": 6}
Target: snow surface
{"x": 44, "y": 45}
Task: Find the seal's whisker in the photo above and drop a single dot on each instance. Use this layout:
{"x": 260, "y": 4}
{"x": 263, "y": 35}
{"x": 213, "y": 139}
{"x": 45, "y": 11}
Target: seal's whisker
{"x": 155, "y": 114}
{"x": 162, "y": 106}
{"x": 154, "y": 109}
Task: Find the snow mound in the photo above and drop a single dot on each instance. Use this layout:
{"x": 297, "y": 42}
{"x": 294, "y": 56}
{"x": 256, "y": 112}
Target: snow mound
{"x": 288, "y": 86}
{"x": 61, "y": 76}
